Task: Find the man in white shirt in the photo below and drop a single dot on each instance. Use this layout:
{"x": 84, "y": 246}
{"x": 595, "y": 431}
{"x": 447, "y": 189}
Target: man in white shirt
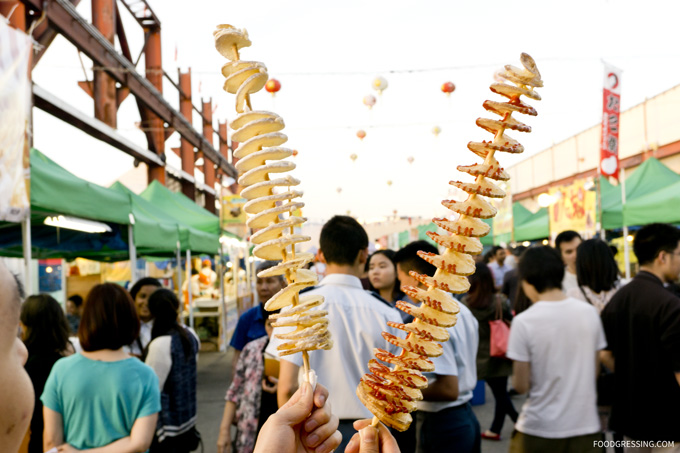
{"x": 554, "y": 345}
{"x": 499, "y": 267}
{"x": 447, "y": 418}
{"x": 356, "y": 321}
{"x": 566, "y": 243}
{"x": 445, "y": 414}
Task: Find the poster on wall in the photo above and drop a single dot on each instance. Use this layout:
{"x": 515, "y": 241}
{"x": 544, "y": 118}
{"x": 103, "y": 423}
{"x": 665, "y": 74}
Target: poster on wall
{"x": 15, "y": 101}
{"x": 574, "y": 209}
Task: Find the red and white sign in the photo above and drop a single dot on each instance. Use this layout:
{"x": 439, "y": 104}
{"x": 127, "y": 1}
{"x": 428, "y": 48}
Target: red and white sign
{"x": 611, "y": 103}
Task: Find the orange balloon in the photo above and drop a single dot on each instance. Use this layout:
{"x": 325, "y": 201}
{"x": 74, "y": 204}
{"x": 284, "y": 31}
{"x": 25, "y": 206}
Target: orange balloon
{"x": 448, "y": 88}
{"x": 361, "y": 134}
{"x": 272, "y": 86}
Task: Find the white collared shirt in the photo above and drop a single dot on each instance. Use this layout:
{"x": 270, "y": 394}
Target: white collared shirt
{"x": 356, "y": 321}
{"x": 459, "y": 359}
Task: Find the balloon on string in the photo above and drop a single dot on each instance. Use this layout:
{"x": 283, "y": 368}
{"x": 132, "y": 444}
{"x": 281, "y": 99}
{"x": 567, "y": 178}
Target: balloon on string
{"x": 295, "y": 153}
{"x": 353, "y": 157}
{"x": 410, "y": 159}
{"x": 361, "y": 134}
{"x": 380, "y": 84}
{"x": 436, "y": 130}
{"x": 272, "y": 86}
{"x": 369, "y": 101}
{"x": 338, "y": 190}
{"x": 448, "y": 88}
{"x": 389, "y": 183}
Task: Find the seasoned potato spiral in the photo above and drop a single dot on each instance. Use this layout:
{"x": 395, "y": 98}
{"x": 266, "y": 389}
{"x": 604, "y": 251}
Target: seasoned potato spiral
{"x": 391, "y": 393}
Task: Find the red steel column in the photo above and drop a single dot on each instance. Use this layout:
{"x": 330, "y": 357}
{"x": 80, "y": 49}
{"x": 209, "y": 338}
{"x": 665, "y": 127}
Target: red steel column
{"x": 226, "y": 152}
{"x": 104, "y": 86}
{"x": 18, "y": 19}
{"x": 208, "y": 166}
{"x": 186, "y": 150}
{"x": 154, "y": 74}
{"x": 222, "y": 133}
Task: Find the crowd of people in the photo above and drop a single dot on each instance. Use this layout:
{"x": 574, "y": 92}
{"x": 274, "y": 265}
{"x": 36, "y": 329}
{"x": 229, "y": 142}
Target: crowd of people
{"x": 595, "y": 353}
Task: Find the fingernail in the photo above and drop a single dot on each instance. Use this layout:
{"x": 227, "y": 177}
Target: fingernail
{"x": 311, "y": 425}
{"x": 367, "y": 435}
{"x": 322, "y": 399}
{"x": 313, "y": 440}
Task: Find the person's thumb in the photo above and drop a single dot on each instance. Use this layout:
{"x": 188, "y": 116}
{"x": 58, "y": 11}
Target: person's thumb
{"x": 369, "y": 440}
{"x": 298, "y": 407}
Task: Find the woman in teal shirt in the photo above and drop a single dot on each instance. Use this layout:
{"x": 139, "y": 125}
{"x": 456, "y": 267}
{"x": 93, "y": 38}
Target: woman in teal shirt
{"x": 102, "y": 400}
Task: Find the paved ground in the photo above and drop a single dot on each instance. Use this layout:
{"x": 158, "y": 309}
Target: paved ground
{"x": 214, "y": 373}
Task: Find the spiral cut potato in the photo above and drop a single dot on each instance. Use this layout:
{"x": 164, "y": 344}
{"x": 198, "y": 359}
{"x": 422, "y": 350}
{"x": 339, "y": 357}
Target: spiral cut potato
{"x": 271, "y": 202}
{"x": 391, "y": 394}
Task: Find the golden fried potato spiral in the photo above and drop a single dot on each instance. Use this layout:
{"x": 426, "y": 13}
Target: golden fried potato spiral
{"x": 391, "y": 394}
{"x": 272, "y": 201}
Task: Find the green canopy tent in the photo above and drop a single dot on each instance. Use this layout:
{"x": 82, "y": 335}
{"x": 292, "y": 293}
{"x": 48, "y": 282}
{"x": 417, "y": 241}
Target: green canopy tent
{"x": 488, "y": 240}
{"x": 157, "y": 232}
{"x": 535, "y": 226}
{"x": 179, "y": 206}
{"x": 649, "y": 177}
{"x": 658, "y": 206}
{"x": 55, "y": 191}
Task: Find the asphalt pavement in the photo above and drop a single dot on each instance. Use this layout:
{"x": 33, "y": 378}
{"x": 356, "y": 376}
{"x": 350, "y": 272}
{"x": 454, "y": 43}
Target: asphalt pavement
{"x": 214, "y": 376}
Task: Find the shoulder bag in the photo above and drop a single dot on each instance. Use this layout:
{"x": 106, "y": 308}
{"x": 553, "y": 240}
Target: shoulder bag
{"x": 500, "y": 332}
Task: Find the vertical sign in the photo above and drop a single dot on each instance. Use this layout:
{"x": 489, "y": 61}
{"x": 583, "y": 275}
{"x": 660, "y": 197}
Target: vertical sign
{"x": 609, "y": 146}
{"x": 15, "y": 101}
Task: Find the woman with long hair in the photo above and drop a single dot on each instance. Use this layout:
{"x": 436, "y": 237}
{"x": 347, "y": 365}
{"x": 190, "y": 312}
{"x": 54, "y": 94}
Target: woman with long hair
{"x": 382, "y": 274}
{"x": 485, "y": 304}
{"x": 44, "y": 331}
{"x": 597, "y": 274}
{"x": 251, "y": 397}
{"x": 102, "y": 397}
{"x": 172, "y": 355}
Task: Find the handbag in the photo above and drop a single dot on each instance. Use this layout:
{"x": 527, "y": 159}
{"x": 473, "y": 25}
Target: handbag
{"x": 499, "y": 333}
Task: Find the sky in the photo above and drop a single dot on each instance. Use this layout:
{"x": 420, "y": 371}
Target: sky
{"x": 326, "y": 55}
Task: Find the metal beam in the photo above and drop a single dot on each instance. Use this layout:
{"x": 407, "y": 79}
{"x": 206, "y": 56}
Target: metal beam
{"x": 54, "y": 106}
{"x": 65, "y": 19}
{"x": 98, "y": 129}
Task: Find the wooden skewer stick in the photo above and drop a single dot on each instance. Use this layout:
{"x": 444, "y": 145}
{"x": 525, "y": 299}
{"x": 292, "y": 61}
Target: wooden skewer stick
{"x": 250, "y": 107}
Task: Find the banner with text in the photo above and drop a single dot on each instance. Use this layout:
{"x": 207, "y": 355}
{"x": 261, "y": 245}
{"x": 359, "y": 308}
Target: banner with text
{"x": 611, "y": 103}
{"x": 15, "y": 101}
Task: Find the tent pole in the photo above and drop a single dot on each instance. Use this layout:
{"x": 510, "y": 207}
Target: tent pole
{"x": 133, "y": 255}
{"x": 179, "y": 277}
{"x": 626, "y": 246}
{"x": 190, "y": 303}
{"x": 223, "y": 306}
{"x": 26, "y": 234}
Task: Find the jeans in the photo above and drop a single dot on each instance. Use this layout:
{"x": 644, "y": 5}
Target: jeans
{"x": 455, "y": 429}
{"x": 499, "y": 387}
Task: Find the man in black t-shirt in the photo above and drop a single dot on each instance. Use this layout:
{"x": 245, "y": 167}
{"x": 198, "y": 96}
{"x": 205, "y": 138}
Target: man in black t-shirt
{"x": 642, "y": 325}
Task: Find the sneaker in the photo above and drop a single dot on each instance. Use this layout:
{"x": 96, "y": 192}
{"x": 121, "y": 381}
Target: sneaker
{"x": 490, "y": 435}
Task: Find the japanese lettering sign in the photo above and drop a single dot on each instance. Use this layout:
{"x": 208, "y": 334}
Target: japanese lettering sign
{"x": 611, "y": 102}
